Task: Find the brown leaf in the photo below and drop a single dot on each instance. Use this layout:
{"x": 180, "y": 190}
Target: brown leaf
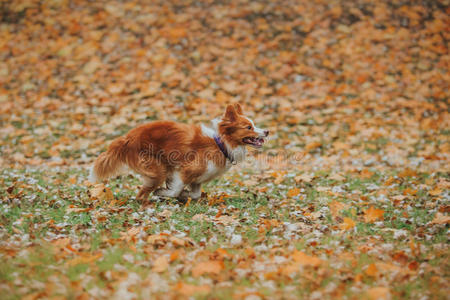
{"x": 304, "y": 177}
{"x": 101, "y": 192}
{"x": 440, "y": 218}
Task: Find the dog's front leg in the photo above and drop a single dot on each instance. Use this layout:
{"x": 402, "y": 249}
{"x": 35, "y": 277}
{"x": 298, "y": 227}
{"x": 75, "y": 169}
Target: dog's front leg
{"x": 194, "y": 193}
{"x": 174, "y": 187}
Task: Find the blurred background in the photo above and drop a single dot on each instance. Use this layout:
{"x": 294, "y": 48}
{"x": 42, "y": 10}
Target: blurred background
{"x": 344, "y": 84}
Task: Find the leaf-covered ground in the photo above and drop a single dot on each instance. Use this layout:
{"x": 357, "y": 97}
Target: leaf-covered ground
{"x": 348, "y": 199}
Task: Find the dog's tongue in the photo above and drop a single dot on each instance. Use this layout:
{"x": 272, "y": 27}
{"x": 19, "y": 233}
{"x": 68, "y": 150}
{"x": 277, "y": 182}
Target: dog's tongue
{"x": 259, "y": 141}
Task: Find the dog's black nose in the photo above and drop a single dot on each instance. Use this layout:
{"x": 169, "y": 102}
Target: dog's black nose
{"x": 266, "y": 132}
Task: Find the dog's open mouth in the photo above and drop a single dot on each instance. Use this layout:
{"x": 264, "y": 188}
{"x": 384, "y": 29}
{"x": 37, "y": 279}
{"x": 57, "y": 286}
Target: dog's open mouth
{"x": 254, "y": 141}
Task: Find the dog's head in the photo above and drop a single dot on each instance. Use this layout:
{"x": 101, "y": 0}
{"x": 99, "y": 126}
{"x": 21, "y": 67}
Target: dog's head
{"x": 239, "y": 130}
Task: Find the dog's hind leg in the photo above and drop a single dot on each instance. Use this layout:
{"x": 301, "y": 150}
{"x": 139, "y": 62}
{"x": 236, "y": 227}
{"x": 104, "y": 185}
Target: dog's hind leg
{"x": 175, "y": 186}
{"x": 151, "y": 183}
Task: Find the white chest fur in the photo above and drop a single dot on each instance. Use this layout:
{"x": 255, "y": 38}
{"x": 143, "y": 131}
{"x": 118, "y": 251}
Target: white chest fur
{"x": 212, "y": 171}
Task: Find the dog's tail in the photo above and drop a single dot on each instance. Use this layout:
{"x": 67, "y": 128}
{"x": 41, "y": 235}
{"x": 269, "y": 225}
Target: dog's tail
{"x": 111, "y": 162}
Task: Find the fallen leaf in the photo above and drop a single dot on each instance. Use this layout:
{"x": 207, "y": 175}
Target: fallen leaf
{"x": 160, "y": 264}
{"x": 372, "y": 270}
{"x": 372, "y": 214}
{"x": 293, "y": 192}
{"x": 188, "y": 290}
{"x": 378, "y": 293}
{"x": 207, "y": 267}
{"x": 337, "y": 177}
{"x": 312, "y": 146}
{"x": 304, "y": 177}
{"x": 336, "y": 207}
{"x": 304, "y": 259}
{"x": 84, "y": 258}
{"x": 440, "y": 218}
{"x": 101, "y": 192}
{"x": 347, "y": 224}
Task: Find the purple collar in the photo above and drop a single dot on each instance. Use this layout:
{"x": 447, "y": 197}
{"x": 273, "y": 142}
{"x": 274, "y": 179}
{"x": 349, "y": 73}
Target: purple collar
{"x": 223, "y": 148}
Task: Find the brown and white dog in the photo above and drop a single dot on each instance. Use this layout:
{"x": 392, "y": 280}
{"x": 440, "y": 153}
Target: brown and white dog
{"x": 180, "y": 155}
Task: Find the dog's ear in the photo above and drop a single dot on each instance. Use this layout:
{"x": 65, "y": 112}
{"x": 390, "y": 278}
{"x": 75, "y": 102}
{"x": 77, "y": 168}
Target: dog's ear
{"x": 238, "y": 108}
{"x": 230, "y": 113}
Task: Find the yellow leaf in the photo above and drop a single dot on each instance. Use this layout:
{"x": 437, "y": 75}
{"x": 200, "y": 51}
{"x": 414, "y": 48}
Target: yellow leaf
{"x": 347, "y": 224}
{"x": 372, "y": 214}
{"x": 293, "y": 192}
{"x": 209, "y": 267}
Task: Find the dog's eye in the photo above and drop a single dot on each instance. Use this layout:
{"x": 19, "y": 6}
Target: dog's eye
{"x": 249, "y": 127}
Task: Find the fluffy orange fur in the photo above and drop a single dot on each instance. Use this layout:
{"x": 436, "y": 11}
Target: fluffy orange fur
{"x": 162, "y": 150}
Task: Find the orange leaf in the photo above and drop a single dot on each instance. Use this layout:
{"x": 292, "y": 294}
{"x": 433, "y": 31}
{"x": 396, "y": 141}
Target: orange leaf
{"x": 407, "y": 173}
{"x": 366, "y": 174}
{"x": 435, "y": 192}
{"x": 293, "y": 192}
{"x": 336, "y": 207}
{"x": 378, "y": 293}
{"x": 312, "y": 146}
{"x": 84, "y": 259}
{"x": 210, "y": 267}
{"x": 372, "y": 270}
{"x": 347, "y": 224}
{"x": 188, "y": 290}
{"x": 304, "y": 259}
{"x": 161, "y": 264}
{"x": 372, "y": 214}
{"x": 177, "y": 32}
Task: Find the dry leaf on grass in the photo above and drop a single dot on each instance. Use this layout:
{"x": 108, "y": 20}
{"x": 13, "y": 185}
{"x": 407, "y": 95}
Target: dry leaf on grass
{"x": 372, "y": 214}
{"x": 347, "y": 224}
{"x": 101, "y": 192}
{"x": 304, "y": 259}
{"x": 160, "y": 264}
{"x": 378, "y": 293}
{"x": 207, "y": 267}
{"x": 440, "y": 218}
{"x": 188, "y": 290}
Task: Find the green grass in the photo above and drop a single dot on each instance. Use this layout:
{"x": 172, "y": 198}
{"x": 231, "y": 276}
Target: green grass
{"x": 35, "y": 212}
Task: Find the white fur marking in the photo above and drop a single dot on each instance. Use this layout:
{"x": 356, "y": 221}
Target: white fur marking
{"x": 174, "y": 186}
{"x": 92, "y": 176}
{"x": 206, "y": 131}
{"x": 257, "y": 130}
{"x": 238, "y": 153}
{"x": 212, "y": 171}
